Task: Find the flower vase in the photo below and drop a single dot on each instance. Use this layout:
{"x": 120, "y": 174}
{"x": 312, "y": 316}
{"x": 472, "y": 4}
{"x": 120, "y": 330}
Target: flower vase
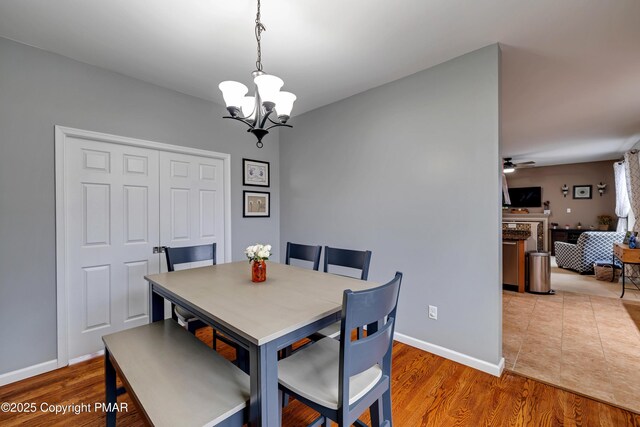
{"x": 258, "y": 271}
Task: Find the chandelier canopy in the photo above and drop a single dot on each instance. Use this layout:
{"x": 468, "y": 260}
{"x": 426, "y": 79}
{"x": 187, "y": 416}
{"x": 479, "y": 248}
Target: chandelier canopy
{"x": 268, "y": 100}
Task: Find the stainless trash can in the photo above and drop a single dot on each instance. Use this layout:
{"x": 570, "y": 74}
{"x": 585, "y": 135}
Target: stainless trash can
{"x": 539, "y": 264}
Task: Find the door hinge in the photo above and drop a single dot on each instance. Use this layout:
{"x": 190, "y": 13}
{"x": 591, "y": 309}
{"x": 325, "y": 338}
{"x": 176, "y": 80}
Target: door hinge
{"x": 159, "y": 249}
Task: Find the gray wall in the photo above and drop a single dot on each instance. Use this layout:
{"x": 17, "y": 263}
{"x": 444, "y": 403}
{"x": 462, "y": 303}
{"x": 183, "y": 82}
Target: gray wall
{"x": 411, "y": 171}
{"x": 39, "y": 90}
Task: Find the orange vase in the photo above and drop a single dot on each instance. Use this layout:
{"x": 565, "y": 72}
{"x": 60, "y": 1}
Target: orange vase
{"x": 258, "y": 271}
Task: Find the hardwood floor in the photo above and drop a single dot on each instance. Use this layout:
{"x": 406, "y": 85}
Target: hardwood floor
{"x": 427, "y": 391}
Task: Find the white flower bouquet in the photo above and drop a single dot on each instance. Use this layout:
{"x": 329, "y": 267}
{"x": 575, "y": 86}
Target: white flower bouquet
{"x": 258, "y": 252}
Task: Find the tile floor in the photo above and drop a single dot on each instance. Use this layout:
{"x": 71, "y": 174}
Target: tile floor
{"x": 585, "y": 343}
{"x": 570, "y": 281}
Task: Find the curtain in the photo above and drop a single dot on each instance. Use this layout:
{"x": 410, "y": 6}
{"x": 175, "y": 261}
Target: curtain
{"x": 632, "y": 170}
{"x": 505, "y": 191}
{"x": 623, "y": 206}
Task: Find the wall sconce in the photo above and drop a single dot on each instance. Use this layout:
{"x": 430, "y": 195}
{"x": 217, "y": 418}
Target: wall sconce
{"x": 601, "y": 188}
{"x": 565, "y": 190}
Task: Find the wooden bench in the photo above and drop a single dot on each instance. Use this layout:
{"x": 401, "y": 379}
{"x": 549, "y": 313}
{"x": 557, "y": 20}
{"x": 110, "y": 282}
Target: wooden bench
{"x": 174, "y": 378}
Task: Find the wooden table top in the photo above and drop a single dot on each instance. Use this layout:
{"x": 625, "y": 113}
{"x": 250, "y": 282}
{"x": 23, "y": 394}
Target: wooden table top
{"x": 625, "y": 254}
{"x": 290, "y": 298}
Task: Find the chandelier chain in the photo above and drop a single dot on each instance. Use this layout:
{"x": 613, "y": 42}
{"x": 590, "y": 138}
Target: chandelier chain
{"x": 259, "y": 29}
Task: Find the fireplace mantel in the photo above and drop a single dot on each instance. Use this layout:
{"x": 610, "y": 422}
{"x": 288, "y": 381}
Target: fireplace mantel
{"x": 531, "y": 217}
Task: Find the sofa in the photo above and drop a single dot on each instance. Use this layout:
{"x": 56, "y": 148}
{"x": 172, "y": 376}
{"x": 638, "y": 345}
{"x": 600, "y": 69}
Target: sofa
{"x": 592, "y": 246}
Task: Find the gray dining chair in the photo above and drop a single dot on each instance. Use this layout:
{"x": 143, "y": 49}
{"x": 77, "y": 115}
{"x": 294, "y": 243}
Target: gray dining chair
{"x": 304, "y": 253}
{"x": 354, "y": 259}
{"x": 357, "y": 260}
{"x": 189, "y": 254}
{"x": 184, "y": 255}
{"x": 342, "y": 379}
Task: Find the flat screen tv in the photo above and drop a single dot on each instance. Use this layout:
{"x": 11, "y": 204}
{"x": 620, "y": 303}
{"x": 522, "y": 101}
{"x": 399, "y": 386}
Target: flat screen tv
{"x": 525, "y": 197}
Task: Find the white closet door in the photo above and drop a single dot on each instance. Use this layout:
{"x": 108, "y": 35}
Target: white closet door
{"x": 191, "y": 203}
{"x": 112, "y": 223}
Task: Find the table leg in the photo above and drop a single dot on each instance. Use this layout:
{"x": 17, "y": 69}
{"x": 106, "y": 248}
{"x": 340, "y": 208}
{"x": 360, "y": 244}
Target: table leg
{"x": 242, "y": 359}
{"x": 156, "y": 306}
{"x": 613, "y": 266}
{"x": 623, "y": 277}
{"x": 375, "y": 411}
{"x": 110, "y": 389}
{"x": 264, "y": 409}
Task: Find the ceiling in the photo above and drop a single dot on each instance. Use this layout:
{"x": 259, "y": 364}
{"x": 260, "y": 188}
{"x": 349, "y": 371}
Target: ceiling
{"x": 570, "y": 69}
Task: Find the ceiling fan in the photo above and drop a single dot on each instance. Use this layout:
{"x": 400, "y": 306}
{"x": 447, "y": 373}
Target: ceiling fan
{"x": 508, "y": 166}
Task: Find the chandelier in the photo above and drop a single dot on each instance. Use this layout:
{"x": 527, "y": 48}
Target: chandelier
{"x": 268, "y": 100}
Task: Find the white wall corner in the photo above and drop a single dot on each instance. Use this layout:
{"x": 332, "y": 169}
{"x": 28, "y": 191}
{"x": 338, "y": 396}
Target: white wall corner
{"x": 481, "y": 365}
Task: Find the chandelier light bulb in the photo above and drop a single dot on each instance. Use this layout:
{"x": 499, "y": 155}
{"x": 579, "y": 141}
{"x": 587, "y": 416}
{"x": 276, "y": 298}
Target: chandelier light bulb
{"x": 233, "y": 94}
{"x": 284, "y": 105}
{"x": 268, "y": 88}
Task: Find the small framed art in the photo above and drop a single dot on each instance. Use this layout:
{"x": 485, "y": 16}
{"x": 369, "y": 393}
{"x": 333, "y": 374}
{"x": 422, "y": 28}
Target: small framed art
{"x": 255, "y": 173}
{"x": 582, "y": 191}
{"x": 256, "y": 204}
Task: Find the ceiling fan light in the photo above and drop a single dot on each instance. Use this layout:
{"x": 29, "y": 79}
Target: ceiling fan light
{"x": 509, "y": 169}
{"x": 284, "y": 105}
{"x": 268, "y": 88}
{"x": 233, "y": 93}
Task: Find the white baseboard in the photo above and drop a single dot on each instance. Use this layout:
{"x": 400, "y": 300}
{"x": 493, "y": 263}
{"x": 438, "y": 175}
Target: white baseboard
{"x": 29, "y": 371}
{"x": 490, "y": 368}
{"x": 481, "y": 365}
{"x": 86, "y": 357}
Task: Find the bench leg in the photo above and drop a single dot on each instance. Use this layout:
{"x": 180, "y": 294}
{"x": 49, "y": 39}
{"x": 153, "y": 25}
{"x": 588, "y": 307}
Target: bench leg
{"x": 110, "y": 387}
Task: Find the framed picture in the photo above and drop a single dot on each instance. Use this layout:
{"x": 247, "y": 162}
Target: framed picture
{"x": 628, "y": 235}
{"x": 582, "y": 191}
{"x": 255, "y": 173}
{"x": 256, "y": 204}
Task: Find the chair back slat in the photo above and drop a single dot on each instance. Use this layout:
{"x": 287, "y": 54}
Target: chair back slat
{"x": 186, "y": 254}
{"x": 359, "y": 260}
{"x": 370, "y": 350}
{"x": 304, "y": 253}
{"x": 371, "y": 305}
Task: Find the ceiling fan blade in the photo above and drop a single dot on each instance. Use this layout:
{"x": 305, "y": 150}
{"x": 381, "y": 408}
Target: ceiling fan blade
{"x": 526, "y": 163}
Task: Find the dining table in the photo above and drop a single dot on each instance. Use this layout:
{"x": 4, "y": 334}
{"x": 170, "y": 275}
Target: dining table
{"x": 263, "y": 318}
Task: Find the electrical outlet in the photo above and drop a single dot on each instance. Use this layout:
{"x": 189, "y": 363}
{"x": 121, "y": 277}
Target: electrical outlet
{"x": 433, "y": 312}
{"x": 568, "y": 210}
